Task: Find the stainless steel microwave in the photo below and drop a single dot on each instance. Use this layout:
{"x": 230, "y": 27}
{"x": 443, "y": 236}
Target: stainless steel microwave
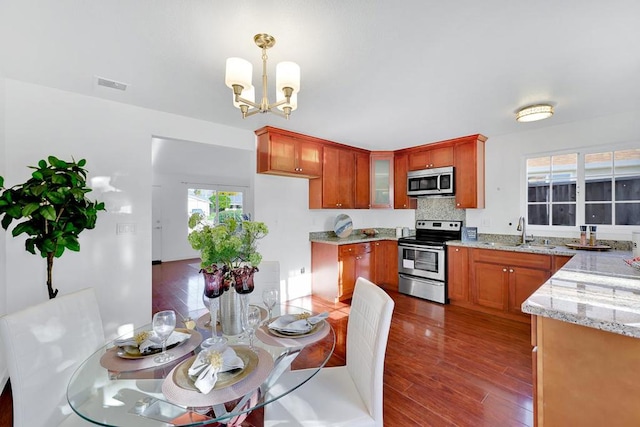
{"x": 431, "y": 182}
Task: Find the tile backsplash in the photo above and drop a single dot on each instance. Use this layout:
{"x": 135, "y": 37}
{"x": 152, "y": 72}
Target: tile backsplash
{"x": 436, "y": 208}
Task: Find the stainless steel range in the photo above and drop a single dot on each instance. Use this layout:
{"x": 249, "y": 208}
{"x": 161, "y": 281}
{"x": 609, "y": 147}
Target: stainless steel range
{"x": 422, "y": 259}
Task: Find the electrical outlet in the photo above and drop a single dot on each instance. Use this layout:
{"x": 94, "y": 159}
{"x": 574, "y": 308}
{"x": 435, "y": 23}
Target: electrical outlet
{"x": 302, "y": 270}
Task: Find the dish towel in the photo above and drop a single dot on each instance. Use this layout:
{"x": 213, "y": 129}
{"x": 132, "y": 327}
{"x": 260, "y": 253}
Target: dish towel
{"x": 297, "y": 323}
{"x": 146, "y": 340}
{"x": 209, "y": 363}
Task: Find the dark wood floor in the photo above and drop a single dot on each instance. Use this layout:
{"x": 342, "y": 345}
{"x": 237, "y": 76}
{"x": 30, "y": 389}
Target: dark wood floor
{"x": 445, "y": 365}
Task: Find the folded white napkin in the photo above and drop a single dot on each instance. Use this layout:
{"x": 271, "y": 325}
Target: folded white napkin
{"x": 293, "y": 323}
{"x": 209, "y": 363}
{"x": 148, "y": 340}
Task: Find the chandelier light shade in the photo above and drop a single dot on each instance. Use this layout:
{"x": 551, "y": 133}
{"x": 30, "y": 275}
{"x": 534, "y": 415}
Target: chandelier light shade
{"x": 238, "y": 77}
{"x": 534, "y": 113}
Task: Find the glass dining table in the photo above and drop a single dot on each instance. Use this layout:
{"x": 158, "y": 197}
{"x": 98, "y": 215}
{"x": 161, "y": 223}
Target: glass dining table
{"x": 115, "y": 388}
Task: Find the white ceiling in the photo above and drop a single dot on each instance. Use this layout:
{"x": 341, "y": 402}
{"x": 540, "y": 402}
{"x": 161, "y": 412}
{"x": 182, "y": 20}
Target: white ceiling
{"x": 376, "y": 74}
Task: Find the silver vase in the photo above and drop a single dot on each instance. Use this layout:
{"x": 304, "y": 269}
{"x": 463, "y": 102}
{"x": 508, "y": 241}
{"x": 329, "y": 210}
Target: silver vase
{"x": 231, "y": 312}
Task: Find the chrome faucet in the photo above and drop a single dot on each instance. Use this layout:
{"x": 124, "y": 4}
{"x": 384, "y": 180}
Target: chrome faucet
{"x": 522, "y": 226}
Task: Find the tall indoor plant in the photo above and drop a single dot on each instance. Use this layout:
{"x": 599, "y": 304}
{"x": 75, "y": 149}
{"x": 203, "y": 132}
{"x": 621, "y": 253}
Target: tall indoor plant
{"x": 53, "y": 209}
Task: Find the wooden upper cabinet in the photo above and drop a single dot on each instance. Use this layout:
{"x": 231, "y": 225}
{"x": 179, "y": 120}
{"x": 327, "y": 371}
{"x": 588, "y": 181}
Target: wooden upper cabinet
{"x": 382, "y": 177}
{"x": 362, "y": 189}
{"x": 400, "y": 198}
{"x": 469, "y": 172}
{"x": 431, "y": 158}
{"x": 287, "y": 153}
{"x": 343, "y": 171}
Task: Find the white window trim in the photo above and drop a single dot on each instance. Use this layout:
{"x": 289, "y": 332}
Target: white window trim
{"x": 610, "y": 232}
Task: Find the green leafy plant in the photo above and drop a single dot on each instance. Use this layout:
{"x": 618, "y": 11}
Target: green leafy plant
{"x": 53, "y": 207}
{"x": 228, "y": 244}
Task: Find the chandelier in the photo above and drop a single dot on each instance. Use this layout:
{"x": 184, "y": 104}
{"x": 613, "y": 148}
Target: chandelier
{"x": 239, "y": 78}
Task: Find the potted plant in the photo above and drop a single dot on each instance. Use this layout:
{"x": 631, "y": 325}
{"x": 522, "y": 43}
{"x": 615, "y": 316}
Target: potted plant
{"x": 53, "y": 207}
{"x": 227, "y": 245}
{"x": 228, "y": 260}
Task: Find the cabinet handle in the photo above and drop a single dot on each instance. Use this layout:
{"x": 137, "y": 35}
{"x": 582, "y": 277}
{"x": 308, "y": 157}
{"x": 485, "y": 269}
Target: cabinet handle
{"x": 457, "y": 250}
{"x": 511, "y": 270}
{"x": 504, "y": 269}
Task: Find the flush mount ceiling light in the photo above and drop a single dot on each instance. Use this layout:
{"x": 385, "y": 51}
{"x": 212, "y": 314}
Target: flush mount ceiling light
{"x": 239, "y": 78}
{"x": 533, "y": 113}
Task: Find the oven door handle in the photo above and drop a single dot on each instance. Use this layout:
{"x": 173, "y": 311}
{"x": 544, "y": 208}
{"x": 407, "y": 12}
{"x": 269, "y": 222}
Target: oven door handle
{"x": 420, "y": 279}
{"x": 410, "y": 246}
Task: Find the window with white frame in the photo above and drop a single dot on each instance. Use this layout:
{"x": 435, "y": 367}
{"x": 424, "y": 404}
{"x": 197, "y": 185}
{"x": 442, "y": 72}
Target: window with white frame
{"x": 591, "y": 188}
{"x": 215, "y": 205}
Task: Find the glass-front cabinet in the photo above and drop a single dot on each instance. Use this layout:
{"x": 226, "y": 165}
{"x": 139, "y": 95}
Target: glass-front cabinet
{"x": 382, "y": 179}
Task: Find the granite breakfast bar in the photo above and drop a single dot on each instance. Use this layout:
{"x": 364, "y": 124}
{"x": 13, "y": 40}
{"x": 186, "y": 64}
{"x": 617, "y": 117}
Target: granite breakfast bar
{"x": 585, "y": 333}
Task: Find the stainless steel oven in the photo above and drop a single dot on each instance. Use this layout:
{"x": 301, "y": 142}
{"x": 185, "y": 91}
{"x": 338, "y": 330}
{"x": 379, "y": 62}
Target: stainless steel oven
{"x": 422, "y": 259}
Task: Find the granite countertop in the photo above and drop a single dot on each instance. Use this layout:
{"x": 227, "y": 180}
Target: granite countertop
{"x": 594, "y": 289}
{"x": 356, "y": 236}
{"x": 551, "y": 249}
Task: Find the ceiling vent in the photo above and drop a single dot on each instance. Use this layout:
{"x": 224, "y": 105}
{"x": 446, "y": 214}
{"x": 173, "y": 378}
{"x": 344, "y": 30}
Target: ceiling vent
{"x": 111, "y": 83}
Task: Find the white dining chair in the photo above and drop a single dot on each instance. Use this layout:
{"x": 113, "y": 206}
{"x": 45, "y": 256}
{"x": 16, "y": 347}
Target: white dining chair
{"x": 44, "y": 344}
{"x": 348, "y": 395}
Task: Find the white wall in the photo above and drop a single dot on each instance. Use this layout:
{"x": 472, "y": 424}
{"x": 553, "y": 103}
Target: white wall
{"x": 282, "y": 203}
{"x": 505, "y": 166}
{"x": 116, "y": 141}
{"x": 180, "y": 165}
{"x": 3, "y": 261}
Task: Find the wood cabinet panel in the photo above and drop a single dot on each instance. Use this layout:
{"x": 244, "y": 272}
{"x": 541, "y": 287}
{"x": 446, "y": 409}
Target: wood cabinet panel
{"x": 400, "y": 169}
{"x": 345, "y": 180}
{"x": 362, "y": 181}
{"x": 491, "y": 286}
{"x": 585, "y": 376}
{"x": 335, "y": 268}
{"x": 458, "y": 273}
{"x": 522, "y": 283}
{"x": 286, "y": 153}
{"x": 385, "y": 263}
{"x": 559, "y": 261}
{"x": 469, "y": 173}
{"x": 431, "y": 158}
{"x": 501, "y": 280}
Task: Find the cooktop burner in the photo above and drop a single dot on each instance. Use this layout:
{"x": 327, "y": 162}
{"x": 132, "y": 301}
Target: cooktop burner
{"x": 434, "y": 233}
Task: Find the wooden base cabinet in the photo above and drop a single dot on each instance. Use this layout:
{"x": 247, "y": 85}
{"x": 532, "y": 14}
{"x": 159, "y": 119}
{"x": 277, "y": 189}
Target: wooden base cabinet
{"x": 458, "y": 273}
{"x": 584, "y": 376}
{"x": 503, "y": 280}
{"x": 385, "y": 265}
{"x": 335, "y": 268}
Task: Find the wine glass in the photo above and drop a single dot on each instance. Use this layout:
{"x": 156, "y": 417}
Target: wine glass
{"x": 164, "y": 322}
{"x": 270, "y": 298}
{"x": 213, "y": 289}
{"x": 253, "y": 319}
{"x": 244, "y": 285}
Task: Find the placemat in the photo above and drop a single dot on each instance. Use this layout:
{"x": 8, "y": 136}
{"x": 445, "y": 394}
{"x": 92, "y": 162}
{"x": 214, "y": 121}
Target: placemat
{"x": 263, "y": 335}
{"x": 194, "y": 398}
{"x": 111, "y": 361}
